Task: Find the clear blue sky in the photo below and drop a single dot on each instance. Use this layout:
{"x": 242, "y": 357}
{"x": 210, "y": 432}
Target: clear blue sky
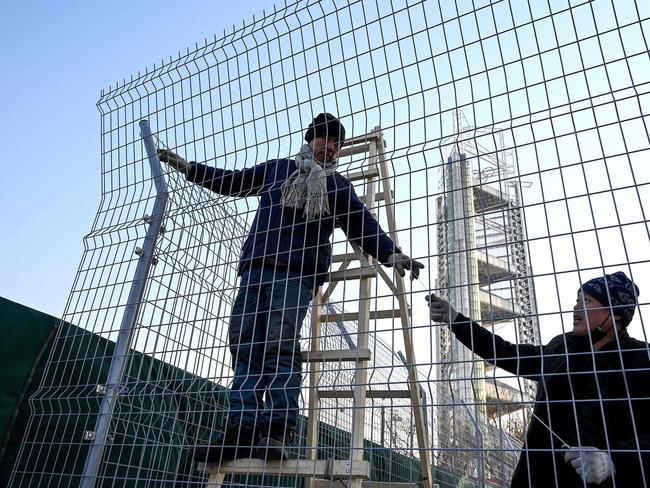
{"x": 57, "y": 57}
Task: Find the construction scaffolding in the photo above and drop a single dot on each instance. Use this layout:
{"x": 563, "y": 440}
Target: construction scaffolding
{"x": 504, "y": 145}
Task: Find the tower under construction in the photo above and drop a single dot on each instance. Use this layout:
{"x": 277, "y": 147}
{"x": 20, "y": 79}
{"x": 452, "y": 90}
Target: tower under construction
{"x": 484, "y": 272}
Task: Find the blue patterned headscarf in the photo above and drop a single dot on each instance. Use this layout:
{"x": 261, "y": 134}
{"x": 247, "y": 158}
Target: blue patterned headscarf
{"x": 615, "y": 290}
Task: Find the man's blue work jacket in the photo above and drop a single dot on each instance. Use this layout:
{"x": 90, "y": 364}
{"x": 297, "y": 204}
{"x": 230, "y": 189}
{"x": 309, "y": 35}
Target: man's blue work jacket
{"x": 281, "y": 235}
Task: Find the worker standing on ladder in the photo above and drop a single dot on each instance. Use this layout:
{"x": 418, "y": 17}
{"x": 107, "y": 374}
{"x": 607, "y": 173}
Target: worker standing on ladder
{"x": 590, "y": 423}
{"x": 285, "y": 258}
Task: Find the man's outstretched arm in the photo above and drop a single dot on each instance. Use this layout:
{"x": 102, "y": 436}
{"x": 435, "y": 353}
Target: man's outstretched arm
{"x": 520, "y": 359}
{"x": 361, "y": 227}
{"x": 239, "y": 183}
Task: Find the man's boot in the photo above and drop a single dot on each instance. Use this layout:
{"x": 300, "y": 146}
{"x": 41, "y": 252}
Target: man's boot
{"x": 238, "y": 441}
{"x": 276, "y": 438}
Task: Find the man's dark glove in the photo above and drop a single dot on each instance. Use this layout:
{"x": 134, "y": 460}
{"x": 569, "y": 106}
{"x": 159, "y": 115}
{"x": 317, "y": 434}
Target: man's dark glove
{"x": 402, "y": 262}
{"x": 173, "y": 160}
{"x": 440, "y": 310}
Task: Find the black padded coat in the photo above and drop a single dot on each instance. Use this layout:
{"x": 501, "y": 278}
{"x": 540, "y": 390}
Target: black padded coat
{"x": 599, "y": 399}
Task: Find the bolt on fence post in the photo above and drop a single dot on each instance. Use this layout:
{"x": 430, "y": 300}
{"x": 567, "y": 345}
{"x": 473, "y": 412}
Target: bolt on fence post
{"x": 131, "y": 312}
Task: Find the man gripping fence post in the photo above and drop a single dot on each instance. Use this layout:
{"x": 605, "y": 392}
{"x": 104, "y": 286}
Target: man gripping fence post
{"x": 285, "y": 258}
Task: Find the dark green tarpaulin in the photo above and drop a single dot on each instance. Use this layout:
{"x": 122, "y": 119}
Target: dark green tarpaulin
{"x": 25, "y": 338}
{"x": 164, "y": 410}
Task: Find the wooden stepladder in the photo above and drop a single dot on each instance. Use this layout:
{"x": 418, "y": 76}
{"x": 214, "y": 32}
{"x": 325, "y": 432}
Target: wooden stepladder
{"x": 374, "y": 173}
{"x": 355, "y": 471}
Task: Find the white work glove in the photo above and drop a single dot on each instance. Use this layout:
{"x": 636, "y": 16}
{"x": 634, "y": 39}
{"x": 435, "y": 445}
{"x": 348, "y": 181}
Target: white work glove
{"x": 402, "y": 262}
{"x": 173, "y": 160}
{"x": 592, "y": 464}
{"x": 440, "y": 310}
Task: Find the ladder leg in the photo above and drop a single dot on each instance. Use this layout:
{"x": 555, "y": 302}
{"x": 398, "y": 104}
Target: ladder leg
{"x": 314, "y": 369}
{"x": 360, "y": 380}
{"x": 416, "y": 404}
{"x": 216, "y": 479}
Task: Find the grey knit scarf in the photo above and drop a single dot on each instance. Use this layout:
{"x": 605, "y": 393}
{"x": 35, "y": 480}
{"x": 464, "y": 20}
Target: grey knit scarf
{"x": 306, "y": 188}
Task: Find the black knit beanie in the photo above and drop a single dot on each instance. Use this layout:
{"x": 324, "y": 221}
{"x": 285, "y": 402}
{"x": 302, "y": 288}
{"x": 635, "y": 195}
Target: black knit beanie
{"x": 325, "y": 125}
{"x": 615, "y": 290}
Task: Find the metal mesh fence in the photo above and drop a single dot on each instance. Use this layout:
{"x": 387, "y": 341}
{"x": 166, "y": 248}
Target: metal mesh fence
{"x": 502, "y": 144}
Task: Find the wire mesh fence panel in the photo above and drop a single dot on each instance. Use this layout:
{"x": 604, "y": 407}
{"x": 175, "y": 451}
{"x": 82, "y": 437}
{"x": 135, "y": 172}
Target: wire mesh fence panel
{"x": 247, "y": 317}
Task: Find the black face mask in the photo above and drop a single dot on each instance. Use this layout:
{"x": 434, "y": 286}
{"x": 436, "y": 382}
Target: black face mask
{"x": 598, "y": 333}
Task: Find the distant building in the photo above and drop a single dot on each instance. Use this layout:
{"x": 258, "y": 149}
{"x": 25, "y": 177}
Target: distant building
{"x": 484, "y": 271}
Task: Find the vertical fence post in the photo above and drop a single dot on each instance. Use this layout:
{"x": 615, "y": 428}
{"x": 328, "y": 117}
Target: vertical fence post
{"x": 479, "y": 435}
{"x": 131, "y": 312}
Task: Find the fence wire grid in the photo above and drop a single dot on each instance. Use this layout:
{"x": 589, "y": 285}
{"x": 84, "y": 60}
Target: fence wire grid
{"x": 504, "y": 145}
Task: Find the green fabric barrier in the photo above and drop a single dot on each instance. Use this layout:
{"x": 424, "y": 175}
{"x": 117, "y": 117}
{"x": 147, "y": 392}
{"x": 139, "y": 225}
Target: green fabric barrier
{"x": 25, "y": 337}
{"x": 163, "y": 412}
{"x": 147, "y": 433}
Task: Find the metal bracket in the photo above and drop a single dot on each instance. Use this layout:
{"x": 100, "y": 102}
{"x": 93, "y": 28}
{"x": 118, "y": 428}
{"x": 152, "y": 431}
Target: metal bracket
{"x": 149, "y": 219}
{"x": 331, "y": 473}
{"x": 329, "y": 469}
{"x": 89, "y": 435}
{"x": 103, "y": 390}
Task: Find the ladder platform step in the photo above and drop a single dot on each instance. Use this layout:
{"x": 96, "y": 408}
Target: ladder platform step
{"x": 366, "y": 484}
{"x": 329, "y": 469}
{"x": 334, "y": 356}
{"x": 353, "y": 274}
{"x": 353, "y": 316}
{"x": 373, "y": 394}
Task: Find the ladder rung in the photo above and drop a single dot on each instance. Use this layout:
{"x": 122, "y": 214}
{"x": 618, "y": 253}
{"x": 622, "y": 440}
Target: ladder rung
{"x": 353, "y": 273}
{"x": 379, "y": 196}
{"x": 369, "y": 172}
{"x": 333, "y": 356}
{"x": 352, "y": 316}
{"x": 331, "y": 469}
{"x": 374, "y": 214}
{"x": 345, "y": 258}
{"x": 352, "y": 150}
{"x": 376, "y": 394}
{"x": 364, "y": 139}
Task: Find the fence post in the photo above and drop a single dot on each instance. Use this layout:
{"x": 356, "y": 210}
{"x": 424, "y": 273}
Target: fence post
{"x": 480, "y": 458}
{"x": 112, "y": 388}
